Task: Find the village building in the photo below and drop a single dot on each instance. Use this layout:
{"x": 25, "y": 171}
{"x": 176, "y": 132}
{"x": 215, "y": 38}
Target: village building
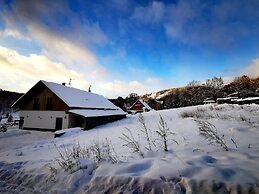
{"x": 52, "y": 106}
{"x": 209, "y": 101}
{"x": 139, "y": 106}
{"x": 249, "y": 100}
{"x": 228, "y": 100}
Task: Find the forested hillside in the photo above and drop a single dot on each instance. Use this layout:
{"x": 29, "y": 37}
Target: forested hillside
{"x": 7, "y": 98}
{"x": 195, "y": 93}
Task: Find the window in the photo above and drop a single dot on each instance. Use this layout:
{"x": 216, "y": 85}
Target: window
{"x": 49, "y": 105}
{"x": 36, "y": 104}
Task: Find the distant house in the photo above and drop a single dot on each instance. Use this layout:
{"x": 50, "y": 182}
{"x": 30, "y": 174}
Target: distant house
{"x": 249, "y": 100}
{"x": 139, "y": 106}
{"x": 52, "y": 106}
{"x": 229, "y": 100}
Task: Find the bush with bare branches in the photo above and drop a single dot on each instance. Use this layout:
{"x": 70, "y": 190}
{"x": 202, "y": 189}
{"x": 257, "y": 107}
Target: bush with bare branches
{"x": 71, "y": 159}
{"x": 210, "y": 132}
{"x": 131, "y": 142}
{"x": 164, "y": 133}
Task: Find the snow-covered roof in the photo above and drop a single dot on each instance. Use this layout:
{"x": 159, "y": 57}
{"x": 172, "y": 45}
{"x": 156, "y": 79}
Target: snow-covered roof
{"x": 227, "y": 98}
{"x": 144, "y": 104}
{"x": 233, "y": 94}
{"x": 208, "y": 101}
{"x": 247, "y": 99}
{"x": 96, "y": 113}
{"x": 74, "y": 97}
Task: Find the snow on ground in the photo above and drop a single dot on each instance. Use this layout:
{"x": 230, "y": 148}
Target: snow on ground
{"x": 28, "y": 159}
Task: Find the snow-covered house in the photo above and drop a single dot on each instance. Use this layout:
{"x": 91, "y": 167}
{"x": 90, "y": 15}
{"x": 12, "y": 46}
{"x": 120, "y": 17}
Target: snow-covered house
{"x": 52, "y": 106}
{"x": 139, "y": 106}
{"x": 209, "y": 101}
{"x": 228, "y": 100}
{"x": 248, "y": 100}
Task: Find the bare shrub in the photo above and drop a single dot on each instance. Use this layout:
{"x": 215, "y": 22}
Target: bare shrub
{"x": 70, "y": 158}
{"x": 52, "y": 174}
{"x": 209, "y": 132}
{"x": 211, "y": 108}
{"x": 224, "y": 116}
{"x": 219, "y": 108}
{"x": 244, "y": 118}
{"x": 65, "y": 160}
{"x": 202, "y": 110}
{"x": 187, "y": 114}
{"x": 198, "y": 113}
{"x": 234, "y": 142}
{"x": 164, "y": 133}
{"x": 103, "y": 151}
{"x": 131, "y": 142}
{"x": 146, "y": 132}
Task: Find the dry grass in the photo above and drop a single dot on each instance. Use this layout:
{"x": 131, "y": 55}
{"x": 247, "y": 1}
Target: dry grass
{"x": 70, "y": 158}
{"x": 210, "y": 132}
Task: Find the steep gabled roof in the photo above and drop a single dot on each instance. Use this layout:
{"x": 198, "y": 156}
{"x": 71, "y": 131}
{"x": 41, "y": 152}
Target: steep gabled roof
{"x": 76, "y": 98}
{"x": 79, "y": 98}
{"x": 142, "y": 102}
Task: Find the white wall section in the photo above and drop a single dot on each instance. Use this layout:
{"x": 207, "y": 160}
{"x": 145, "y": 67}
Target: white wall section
{"x": 43, "y": 119}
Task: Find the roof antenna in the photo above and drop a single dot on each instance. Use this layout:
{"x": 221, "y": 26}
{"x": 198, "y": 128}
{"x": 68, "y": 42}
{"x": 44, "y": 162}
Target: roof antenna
{"x": 89, "y": 89}
{"x": 70, "y": 80}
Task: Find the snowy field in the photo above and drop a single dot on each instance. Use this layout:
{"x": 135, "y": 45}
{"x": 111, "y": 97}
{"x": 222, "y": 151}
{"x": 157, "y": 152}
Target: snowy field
{"x": 228, "y": 162}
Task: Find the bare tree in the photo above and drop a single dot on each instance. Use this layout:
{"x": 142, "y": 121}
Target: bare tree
{"x": 146, "y": 131}
{"x": 131, "y": 142}
{"x": 216, "y": 83}
{"x": 194, "y": 83}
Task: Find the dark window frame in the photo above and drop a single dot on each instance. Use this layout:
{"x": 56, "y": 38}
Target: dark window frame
{"x": 36, "y": 104}
{"x": 49, "y": 104}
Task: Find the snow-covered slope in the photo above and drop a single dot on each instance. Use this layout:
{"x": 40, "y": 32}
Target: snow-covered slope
{"x": 192, "y": 165}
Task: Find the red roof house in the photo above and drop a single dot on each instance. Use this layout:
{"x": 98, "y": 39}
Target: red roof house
{"x": 139, "y": 106}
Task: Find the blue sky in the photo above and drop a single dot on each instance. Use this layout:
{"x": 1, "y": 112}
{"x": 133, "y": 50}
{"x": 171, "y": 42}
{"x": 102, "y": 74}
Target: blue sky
{"x": 124, "y": 46}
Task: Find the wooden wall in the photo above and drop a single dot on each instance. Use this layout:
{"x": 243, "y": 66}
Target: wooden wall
{"x": 42, "y": 94}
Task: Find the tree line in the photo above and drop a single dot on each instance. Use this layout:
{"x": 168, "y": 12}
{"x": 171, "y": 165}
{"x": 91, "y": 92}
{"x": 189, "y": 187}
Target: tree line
{"x": 196, "y": 92}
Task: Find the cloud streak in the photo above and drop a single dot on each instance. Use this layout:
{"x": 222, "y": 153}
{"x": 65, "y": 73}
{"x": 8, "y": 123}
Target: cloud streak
{"x": 62, "y": 46}
{"x": 153, "y": 13}
{"x": 218, "y": 25}
{"x": 57, "y": 18}
{"x": 17, "y": 71}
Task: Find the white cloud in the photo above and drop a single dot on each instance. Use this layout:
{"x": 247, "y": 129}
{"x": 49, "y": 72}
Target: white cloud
{"x": 118, "y": 87}
{"x": 60, "y": 57}
{"x": 19, "y": 72}
{"x": 68, "y": 44}
{"x": 252, "y": 69}
{"x": 62, "y": 49}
